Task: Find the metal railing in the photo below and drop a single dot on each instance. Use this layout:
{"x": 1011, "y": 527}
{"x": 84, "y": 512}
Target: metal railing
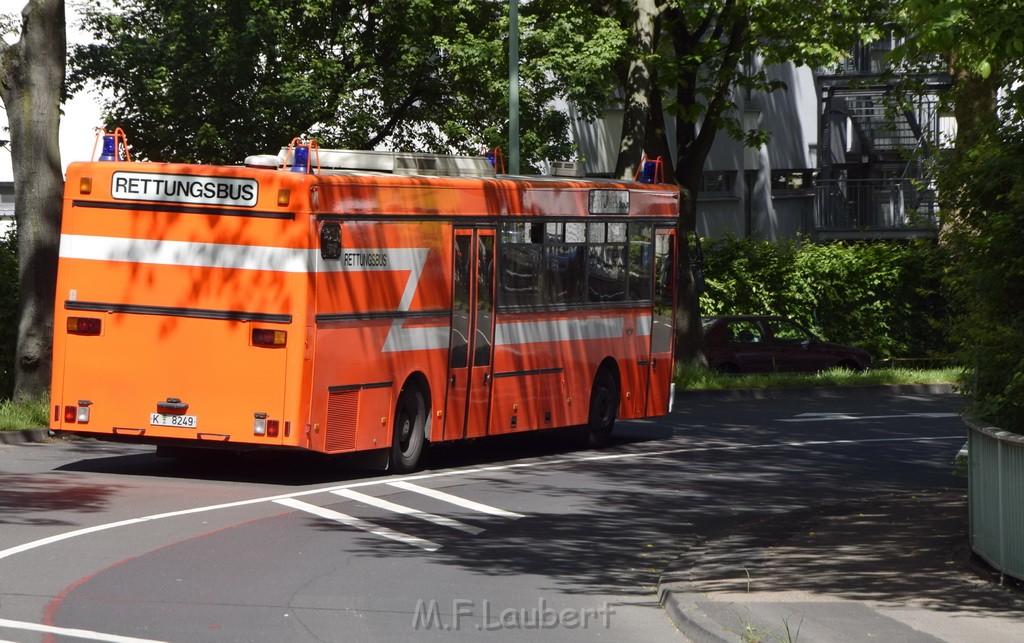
{"x": 995, "y": 473}
{"x": 874, "y": 204}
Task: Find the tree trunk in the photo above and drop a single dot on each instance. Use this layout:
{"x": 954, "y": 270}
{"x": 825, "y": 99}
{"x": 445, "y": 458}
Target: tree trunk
{"x": 31, "y": 84}
{"x": 975, "y": 107}
{"x": 639, "y": 86}
{"x": 692, "y": 148}
{"x": 689, "y": 334}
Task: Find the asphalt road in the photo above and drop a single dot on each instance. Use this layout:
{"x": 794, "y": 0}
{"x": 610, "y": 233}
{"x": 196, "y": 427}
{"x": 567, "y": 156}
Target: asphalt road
{"x": 517, "y": 539}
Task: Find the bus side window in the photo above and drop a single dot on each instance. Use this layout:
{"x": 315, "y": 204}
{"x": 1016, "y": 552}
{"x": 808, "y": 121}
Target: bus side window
{"x": 641, "y": 257}
{"x": 330, "y": 241}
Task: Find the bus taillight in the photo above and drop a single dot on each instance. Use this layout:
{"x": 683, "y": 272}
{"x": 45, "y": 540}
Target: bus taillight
{"x": 261, "y": 425}
{"x": 73, "y": 414}
{"x": 84, "y": 325}
{"x": 269, "y": 337}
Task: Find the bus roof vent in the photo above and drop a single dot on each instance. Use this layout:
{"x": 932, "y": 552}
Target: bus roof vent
{"x": 408, "y": 163}
{"x": 262, "y": 160}
{"x": 566, "y": 168}
{"x": 442, "y": 164}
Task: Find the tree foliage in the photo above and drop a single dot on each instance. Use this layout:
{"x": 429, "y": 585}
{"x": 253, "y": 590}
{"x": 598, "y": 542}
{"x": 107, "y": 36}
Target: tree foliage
{"x": 688, "y": 60}
{"x": 705, "y": 53}
{"x": 981, "y": 43}
{"x": 978, "y": 36}
{"x": 981, "y": 186}
{"x": 985, "y": 185}
{"x": 214, "y": 82}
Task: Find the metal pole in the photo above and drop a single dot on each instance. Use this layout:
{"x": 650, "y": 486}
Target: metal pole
{"x": 513, "y": 86}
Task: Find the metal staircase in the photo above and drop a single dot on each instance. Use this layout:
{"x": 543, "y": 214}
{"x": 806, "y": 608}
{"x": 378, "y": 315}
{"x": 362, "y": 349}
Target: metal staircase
{"x": 875, "y": 140}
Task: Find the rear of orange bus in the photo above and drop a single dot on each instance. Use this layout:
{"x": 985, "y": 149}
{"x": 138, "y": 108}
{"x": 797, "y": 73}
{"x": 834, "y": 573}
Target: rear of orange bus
{"x": 182, "y": 305}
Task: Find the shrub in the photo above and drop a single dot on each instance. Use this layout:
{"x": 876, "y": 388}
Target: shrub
{"x": 885, "y": 297}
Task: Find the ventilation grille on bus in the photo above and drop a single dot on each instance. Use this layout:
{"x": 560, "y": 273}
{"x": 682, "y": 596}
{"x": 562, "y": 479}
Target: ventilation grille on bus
{"x": 341, "y": 420}
{"x": 567, "y": 168}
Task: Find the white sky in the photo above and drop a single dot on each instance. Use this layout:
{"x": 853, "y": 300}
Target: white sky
{"x": 81, "y": 113}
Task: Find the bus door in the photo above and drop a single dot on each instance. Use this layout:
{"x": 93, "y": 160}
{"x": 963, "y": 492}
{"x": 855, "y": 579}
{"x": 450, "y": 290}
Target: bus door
{"x": 662, "y": 322}
{"x": 467, "y": 412}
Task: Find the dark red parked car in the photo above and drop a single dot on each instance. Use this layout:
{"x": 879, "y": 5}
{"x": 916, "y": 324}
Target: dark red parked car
{"x": 768, "y": 343}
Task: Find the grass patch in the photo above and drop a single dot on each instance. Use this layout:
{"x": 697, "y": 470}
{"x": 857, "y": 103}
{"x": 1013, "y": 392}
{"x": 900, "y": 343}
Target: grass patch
{"x": 706, "y": 379}
{"x": 24, "y": 415}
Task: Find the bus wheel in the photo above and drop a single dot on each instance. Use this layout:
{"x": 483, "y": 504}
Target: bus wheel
{"x": 604, "y": 404}
{"x": 410, "y": 420}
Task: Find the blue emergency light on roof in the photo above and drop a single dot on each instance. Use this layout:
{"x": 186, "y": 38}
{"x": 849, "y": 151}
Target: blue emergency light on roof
{"x": 650, "y": 171}
{"x": 647, "y": 176}
{"x": 115, "y": 145}
{"x": 109, "y": 152}
{"x": 301, "y": 161}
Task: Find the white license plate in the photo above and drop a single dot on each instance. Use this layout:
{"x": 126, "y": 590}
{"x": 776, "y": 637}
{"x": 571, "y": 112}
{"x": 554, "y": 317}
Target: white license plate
{"x": 184, "y": 421}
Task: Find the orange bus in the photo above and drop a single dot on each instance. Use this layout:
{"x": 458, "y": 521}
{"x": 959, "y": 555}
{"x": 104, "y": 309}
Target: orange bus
{"x": 341, "y": 301}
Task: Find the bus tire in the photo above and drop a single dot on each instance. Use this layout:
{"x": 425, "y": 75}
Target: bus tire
{"x": 409, "y": 438}
{"x": 604, "y": 406}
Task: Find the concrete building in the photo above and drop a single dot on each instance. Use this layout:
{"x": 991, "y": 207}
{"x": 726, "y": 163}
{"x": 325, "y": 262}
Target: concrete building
{"x": 847, "y": 157}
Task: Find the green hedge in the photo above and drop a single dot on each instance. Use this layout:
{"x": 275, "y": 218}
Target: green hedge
{"x": 885, "y": 297}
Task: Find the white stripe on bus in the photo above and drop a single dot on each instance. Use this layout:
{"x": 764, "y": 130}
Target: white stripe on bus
{"x": 297, "y": 260}
{"x": 187, "y": 253}
{"x": 536, "y": 332}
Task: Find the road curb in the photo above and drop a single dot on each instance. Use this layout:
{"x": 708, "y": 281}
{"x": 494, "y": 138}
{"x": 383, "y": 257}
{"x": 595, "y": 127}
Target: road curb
{"x": 681, "y": 606}
{"x": 812, "y": 391}
{"x": 25, "y": 436}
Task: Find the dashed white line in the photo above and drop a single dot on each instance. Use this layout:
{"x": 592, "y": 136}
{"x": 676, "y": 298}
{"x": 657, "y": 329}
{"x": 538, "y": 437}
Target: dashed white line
{"x": 11, "y": 551}
{"x": 290, "y": 500}
{"x": 455, "y": 500}
{"x": 358, "y": 523}
{"x": 381, "y": 503}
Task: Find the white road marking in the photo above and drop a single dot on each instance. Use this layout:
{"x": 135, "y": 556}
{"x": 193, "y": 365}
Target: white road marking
{"x": 455, "y": 500}
{"x": 18, "y": 549}
{"x": 357, "y": 523}
{"x": 387, "y": 505}
{"x": 74, "y": 633}
{"x": 829, "y": 417}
